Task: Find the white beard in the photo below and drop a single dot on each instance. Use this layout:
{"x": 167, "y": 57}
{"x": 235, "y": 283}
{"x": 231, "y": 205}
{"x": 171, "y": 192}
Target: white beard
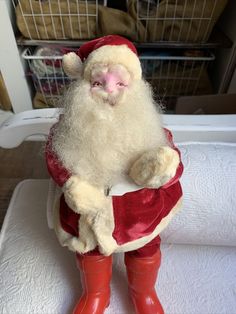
{"x": 100, "y": 142}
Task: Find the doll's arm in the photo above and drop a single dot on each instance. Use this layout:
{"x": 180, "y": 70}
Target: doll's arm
{"x": 159, "y": 167}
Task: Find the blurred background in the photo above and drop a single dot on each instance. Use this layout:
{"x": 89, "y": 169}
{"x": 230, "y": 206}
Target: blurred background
{"x": 186, "y": 47}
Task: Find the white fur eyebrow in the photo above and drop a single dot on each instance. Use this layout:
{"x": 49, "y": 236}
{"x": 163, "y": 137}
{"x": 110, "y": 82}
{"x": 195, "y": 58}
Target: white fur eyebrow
{"x": 122, "y": 71}
{"x": 99, "y": 69}
{"x": 118, "y": 68}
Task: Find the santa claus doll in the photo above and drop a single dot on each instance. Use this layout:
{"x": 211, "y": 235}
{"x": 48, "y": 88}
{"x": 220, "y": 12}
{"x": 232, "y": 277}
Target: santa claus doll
{"x": 111, "y": 132}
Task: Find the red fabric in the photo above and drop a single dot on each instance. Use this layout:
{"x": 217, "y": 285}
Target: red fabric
{"x": 68, "y": 218}
{"x": 55, "y": 168}
{"x": 146, "y": 251}
{"x": 136, "y": 214}
{"x": 180, "y": 168}
{"x": 112, "y": 40}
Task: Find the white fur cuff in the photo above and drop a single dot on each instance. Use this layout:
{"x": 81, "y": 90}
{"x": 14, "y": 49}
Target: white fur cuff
{"x": 84, "y": 198}
{"x": 156, "y": 167}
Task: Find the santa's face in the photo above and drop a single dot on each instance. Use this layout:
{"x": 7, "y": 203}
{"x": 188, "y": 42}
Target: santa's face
{"x": 109, "y": 83}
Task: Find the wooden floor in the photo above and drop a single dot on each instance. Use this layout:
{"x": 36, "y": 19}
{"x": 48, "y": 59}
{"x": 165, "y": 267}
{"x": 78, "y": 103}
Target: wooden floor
{"x": 24, "y": 162}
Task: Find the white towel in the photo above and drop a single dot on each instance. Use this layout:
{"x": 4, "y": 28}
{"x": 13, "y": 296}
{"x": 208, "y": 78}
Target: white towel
{"x": 208, "y": 215}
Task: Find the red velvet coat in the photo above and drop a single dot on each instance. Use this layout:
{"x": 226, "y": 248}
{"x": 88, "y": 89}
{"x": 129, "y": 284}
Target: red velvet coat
{"x": 139, "y": 216}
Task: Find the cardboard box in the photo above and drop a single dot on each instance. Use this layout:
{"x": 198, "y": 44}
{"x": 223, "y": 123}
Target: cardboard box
{"x": 5, "y": 103}
{"x": 207, "y": 104}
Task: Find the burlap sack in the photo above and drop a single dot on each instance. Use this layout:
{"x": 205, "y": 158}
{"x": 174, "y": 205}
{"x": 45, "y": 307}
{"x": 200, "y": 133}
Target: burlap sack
{"x": 57, "y": 24}
{"x": 38, "y": 26}
{"x": 112, "y": 21}
{"x": 5, "y": 103}
{"x": 182, "y": 20}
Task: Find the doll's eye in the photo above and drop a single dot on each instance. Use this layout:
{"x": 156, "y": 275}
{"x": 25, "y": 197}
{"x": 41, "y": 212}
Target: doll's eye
{"x": 96, "y": 83}
{"x": 120, "y": 84}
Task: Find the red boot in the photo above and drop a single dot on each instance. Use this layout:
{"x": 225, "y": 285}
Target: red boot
{"x": 95, "y": 277}
{"x": 142, "y": 274}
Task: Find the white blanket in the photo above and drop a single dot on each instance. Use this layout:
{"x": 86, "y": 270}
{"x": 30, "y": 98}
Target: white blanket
{"x": 38, "y": 276}
{"x": 209, "y": 186}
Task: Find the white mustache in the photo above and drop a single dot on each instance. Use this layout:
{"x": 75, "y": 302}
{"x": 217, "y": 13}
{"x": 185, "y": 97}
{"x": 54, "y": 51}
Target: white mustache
{"x": 112, "y": 99}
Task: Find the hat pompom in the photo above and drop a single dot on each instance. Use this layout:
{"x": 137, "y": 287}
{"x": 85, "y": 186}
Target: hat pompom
{"x": 72, "y": 65}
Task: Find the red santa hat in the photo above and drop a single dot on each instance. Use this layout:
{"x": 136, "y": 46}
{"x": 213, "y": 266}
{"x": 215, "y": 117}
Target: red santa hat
{"x": 109, "y": 50}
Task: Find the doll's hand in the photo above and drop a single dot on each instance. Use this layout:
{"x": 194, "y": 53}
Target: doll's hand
{"x": 84, "y": 198}
{"x": 155, "y": 168}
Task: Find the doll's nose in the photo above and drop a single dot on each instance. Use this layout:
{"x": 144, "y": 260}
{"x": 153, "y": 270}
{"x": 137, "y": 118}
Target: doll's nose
{"x": 110, "y": 83}
{"x": 110, "y": 88}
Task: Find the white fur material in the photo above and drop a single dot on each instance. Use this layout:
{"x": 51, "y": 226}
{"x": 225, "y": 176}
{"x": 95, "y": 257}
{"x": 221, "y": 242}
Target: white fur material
{"x": 156, "y": 167}
{"x": 84, "y": 198}
{"x": 96, "y": 222}
{"x": 72, "y": 65}
{"x": 87, "y": 239}
{"x": 114, "y": 55}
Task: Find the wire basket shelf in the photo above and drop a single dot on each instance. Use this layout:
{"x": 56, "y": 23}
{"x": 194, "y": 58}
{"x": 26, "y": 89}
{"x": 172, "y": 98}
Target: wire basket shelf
{"x": 187, "y": 21}
{"x": 180, "y": 74}
{"x": 57, "y": 19}
{"x": 184, "y": 73}
{"x": 176, "y": 20}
